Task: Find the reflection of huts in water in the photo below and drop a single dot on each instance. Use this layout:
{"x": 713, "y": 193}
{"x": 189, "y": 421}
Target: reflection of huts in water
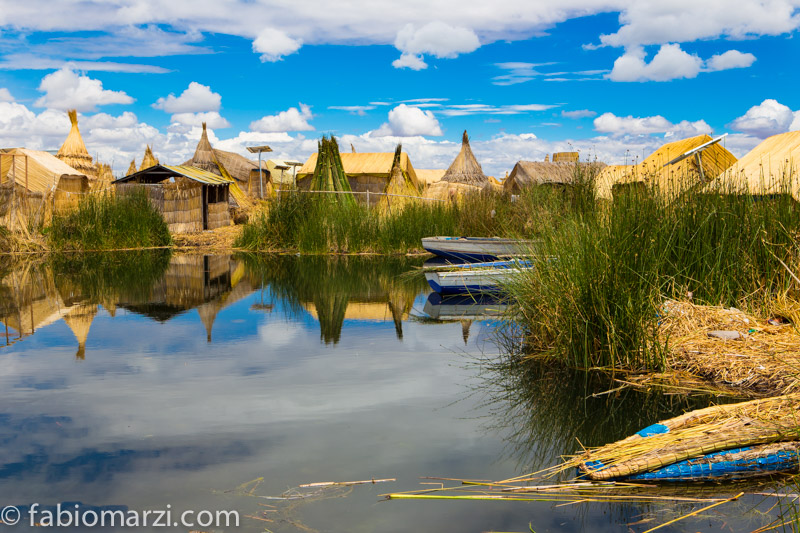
{"x": 555, "y": 174}
{"x": 205, "y": 283}
{"x": 79, "y": 319}
{"x": 190, "y": 199}
{"x": 244, "y": 172}
{"x": 464, "y": 176}
{"x": 771, "y": 168}
{"x": 670, "y": 178}
{"x": 32, "y": 183}
{"x": 366, "y": 172}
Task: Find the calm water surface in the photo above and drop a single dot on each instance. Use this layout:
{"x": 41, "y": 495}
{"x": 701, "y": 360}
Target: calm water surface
{"x": 134, "y": 381}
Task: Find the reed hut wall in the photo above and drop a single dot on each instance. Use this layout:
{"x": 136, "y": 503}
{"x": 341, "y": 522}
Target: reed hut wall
{"x": 180, "y": 203}
{"x": 69, "y": 192}
{"x": 218, "y": 215}
{"x": 20, "y": 208}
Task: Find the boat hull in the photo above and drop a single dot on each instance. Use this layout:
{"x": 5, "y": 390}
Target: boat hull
{"x": 474, "y": 248}
{"x": 467, "y": 281}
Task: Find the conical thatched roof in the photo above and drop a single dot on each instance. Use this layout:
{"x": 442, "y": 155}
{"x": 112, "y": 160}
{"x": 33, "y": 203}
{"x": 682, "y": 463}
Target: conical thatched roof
{"x": 400, "y": 185}
{"x": 73, "y": 152}
{"x": 131, "y": 167}
{"x": 79, "y": 320}
{"x": 149, "y": 160}
{"x": 465, "y": 168}
{"x": 220, "y": 162}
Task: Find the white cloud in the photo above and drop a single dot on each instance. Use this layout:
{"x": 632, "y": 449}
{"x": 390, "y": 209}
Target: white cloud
{"x": 359, "y": 110}
{"x": 434, "y": 38}
{"x": 408, "y": 121}
{"x": 414, "y": 62}
{"x": 668, "y": 64}
{"x": 646, "y": 22}
{"x": 196, "y": 98}
{"x": 578, "y": 113}
{"x": 795, "y": 125}
{"x": 728, "y": 60}
{"x": 517, "y": 72}
{"x": 5, "y": 95}
{"x": 618, "y": 126}
{"x": 274, "y": 44}
{"x": 458, "y": 110}
{"x": 768, "y": 118}
{"x": 212, "y": 119}
{"x": 290, "y": 120}
{"x": 66, "y": 89}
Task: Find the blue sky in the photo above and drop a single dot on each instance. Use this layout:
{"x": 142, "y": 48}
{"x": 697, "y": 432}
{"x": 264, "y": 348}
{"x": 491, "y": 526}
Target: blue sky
{"x": 612, "y": 79}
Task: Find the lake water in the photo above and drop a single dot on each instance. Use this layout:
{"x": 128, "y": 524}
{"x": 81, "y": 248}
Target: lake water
{"x": 141, "y": 381}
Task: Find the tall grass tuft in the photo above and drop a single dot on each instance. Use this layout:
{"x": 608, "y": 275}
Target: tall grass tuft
{"x": 109, "y": 222}
{"x": 594, "y": 297}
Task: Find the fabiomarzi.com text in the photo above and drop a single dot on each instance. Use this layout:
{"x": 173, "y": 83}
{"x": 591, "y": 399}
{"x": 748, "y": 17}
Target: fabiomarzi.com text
{"x": 73, "y": 515}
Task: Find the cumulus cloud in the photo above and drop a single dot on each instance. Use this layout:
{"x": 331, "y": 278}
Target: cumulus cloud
{"x": 770, "y": 117}
{"x": 290, "y": 120}
{"x": 5, "y": 95}
{"x": 434, "y": 38}
{"x": 274, "y": 44}
{"x": 408, "y": 121}
{"x": 196, "y": 98}
{"x": 730, "y": 59}
{"x": 359, "y": 110}
{"x": 212, "y": 119}
{"x": 66, "y": 89}
{"x": 578, "y": 113}
{"x": 630, "y": 125}
{"x": 668, "y": 64}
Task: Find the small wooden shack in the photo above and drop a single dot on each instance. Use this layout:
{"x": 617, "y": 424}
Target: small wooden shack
{"x": 190, "y": 199}
{"x": 544, "y": 173}
{"x": 33, "y": 183}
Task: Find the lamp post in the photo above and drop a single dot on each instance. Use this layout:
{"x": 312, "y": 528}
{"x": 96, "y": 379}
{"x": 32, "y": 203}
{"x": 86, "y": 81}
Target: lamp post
{"x": 259, "y": 150}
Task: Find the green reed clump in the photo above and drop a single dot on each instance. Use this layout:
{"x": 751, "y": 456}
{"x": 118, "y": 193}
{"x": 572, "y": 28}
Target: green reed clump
{"x": 109, "y": 222}
{"x": 594, "y": 296}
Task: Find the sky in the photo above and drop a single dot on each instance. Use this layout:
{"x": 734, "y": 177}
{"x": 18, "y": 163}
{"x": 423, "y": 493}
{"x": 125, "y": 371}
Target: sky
{"x": 612, "y": 79}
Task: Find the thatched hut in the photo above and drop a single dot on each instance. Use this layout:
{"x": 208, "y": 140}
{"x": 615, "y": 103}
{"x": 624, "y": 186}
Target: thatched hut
{"x": 400, "y": 186}
{"x": 132, "y": 168}
{"x": 190, "y": 199}
{"x": 464, "y": 176}
{"x": 366, "y": 171}
{"x": 543, "y": 173}
{"x": 33, "y": 183}
{"x": 244, "y": 172}
{"x": 771, "y": 168}
{"x": 661, "y": 170}
{"x": 148, "y": 160}
{"x": 429, "y": 176}
{"x": 73, "y": 152}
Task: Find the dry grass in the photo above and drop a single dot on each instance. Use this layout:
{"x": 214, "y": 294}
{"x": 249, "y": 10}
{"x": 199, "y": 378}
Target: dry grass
{"x": 218, "y": 240}
{"x": 764, "y": 360}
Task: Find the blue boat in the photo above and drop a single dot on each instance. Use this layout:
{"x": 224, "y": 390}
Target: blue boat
{"x": 476, "y": 248}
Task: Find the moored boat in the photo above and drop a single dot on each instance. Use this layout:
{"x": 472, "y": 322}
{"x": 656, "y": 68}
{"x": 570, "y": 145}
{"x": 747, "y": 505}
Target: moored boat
{"x": 467, "y": 281}
{"x": 476, "y": 248}
{"x": 461, "y": 307}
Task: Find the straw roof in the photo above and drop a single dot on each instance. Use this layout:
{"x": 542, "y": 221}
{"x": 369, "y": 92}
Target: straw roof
{"x": 149, "y": 160}
{"x": 220, "y": 162}
{"x": 131, "y": 167}
{"x": 769, "y": 168}
{"x": 400, "y": 184}
{"x": 37, "y": 171}
{"x": 368, "y": 163}
{"x": 465, "y": 168}
{"x": 429, "y": 176}
{"x": 445, "y": 190}
{"x": 73, "y": 152}
{"x": 530, "y": 173}
{"x": 670, "y": 179}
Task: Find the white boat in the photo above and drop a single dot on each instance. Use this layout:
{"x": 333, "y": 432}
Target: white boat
{"x": 476, "y": 248}
{"x": 468, "y": 281}
{"x": 463, "y": 307}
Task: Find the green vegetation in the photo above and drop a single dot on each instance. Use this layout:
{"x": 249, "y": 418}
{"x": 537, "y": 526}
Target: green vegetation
{"x": 109, "y": 222}
{"x": 594, "y": 296}
{"x": 311, "y": 223}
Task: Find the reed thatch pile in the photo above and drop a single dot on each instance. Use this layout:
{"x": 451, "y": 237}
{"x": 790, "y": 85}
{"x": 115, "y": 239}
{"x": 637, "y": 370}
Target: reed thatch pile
{"x": 148, "y": 160}
{"x": 103, "y": 177}
{"x": 73, "y": 152}
{"x": 465, "y": 168}
{"x": 763, "y": 360}
{"x": 694, "y": 434}
{"x": 400, "y": 185}
{"x": 131, "y": 167}
{"x": 329, "y": 173}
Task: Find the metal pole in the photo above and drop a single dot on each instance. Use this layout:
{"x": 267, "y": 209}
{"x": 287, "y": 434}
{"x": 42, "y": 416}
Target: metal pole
{"x": 260, "y": 176}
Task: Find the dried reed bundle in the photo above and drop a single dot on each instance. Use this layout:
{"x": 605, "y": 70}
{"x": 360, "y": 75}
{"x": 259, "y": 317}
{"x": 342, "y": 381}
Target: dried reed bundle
{"x": 73, "y": 152}
{"x": 465, "y": 168}
{"x": 149, "y": 160}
